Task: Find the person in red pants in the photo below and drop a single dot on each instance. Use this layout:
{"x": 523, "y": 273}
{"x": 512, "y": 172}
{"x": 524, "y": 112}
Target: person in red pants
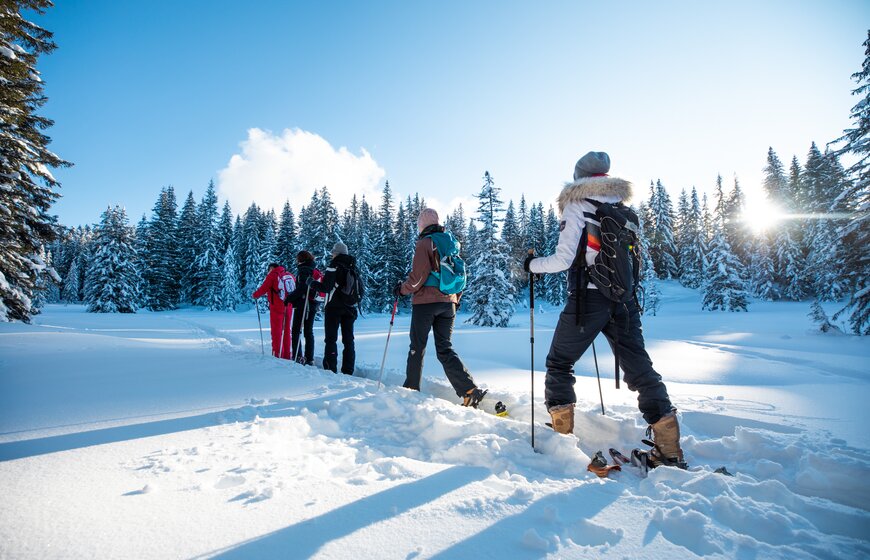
{"x": 275, "y": 287}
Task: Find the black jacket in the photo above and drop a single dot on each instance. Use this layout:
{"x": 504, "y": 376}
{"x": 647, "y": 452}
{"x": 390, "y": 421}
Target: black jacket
{"x": 303, "y": 272}
{"x": 334, "y": 279}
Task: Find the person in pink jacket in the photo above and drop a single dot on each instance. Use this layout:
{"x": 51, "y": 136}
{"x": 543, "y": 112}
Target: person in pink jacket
{"x": 275, "y": 287}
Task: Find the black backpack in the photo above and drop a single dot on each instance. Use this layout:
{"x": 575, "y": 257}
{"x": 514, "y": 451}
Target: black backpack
{"x": 352, "y": 289}
{"x": 616, "y": 269}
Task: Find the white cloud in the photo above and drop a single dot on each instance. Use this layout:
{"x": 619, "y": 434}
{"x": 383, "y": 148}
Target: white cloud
{"x": 274, "y": 168}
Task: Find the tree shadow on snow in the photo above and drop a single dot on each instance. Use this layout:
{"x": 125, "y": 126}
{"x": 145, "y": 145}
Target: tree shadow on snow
{"x": 305, "y": 538}
{"x": 52, "y": 444}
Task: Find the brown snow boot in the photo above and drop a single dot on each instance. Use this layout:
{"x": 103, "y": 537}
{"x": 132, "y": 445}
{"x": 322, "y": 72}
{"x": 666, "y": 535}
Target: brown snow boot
{"x": 563, "y": 418}
{"x": 666, "y": 442}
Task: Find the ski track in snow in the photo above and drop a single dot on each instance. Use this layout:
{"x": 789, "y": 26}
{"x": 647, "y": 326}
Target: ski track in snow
{"x": 335, "y": 468}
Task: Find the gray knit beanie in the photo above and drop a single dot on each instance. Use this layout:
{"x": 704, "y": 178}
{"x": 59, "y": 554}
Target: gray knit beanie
{"x": 339, "y": 249}
{"x": 593, "y": 163}
{"x": 428, "y": 217}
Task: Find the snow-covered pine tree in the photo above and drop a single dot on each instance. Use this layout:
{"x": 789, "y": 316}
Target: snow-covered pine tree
{"x": 510, "y": 234}
{"x": 160, "y": 275}
{"x": 225, "y": 229}
{"x": 724, "y": 289}
{"x": 491, "y": 293}
{"x": 458, "y": 226}
{"x": 286, "y": 242}
{"x": 536, "y": 231}
{"x": 681, "y": 220}
{"x": 367, "y": 258}
{"x": 554, "y": 285}
{"x": 230, "y": 295}
{"x": 350, "y": 227}
{"x": 70, "y": 290}
{"x": 269, "y": 244}
{"x": 651, "y": 295}
{"x": 254, "y": 267}
{"x": 762, "y": 273}
{"x": 27, "y": 188}
{"x": 855, "y": 233}
{"x": 208, "y": 265}
{"x": 386, "y": 271}
{"x": 736, "y": 229}
{"x": 775, "y": 183}
{"x": 662, "y": 247}
{"x": 112, "y": 285}
{"x": 706, "y": 221}
{"x": 693, "y": 245}
{"x": 327, "y": 215}
{"x": 820, "y": 318}
{"x": 187, "y": 233}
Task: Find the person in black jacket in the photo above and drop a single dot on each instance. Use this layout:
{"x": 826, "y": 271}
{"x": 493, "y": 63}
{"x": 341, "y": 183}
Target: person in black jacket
{"x": 304, "y": 311}
{"x": 338, "y": 312}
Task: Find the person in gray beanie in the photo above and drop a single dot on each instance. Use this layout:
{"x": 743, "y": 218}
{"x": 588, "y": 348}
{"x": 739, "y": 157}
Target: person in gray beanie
{"x": 343, "y": 286}
{"x": 579, "y": 324}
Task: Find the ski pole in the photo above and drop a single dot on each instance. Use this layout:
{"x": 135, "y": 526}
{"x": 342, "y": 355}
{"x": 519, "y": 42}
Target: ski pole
{"x": 532, "y": 341}
{"x": 598, "y": 375}
{"x": 302, "y": 330}
{"x": 260, "y": 321}
{"x": 387, "y": 345}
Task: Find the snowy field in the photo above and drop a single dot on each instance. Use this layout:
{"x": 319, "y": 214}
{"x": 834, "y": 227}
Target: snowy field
{"x": 169, "y": 435}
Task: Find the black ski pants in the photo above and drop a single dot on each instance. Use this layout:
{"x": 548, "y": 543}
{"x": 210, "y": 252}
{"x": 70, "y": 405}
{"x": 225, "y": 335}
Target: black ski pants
{"x": 439, "y": 318}
{"x": 334, "y": 318}
{"x": 305, "y": 325}
{"x": 620, "y": 324}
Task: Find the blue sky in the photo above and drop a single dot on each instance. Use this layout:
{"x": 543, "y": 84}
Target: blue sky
{"x": 272, "y": 99}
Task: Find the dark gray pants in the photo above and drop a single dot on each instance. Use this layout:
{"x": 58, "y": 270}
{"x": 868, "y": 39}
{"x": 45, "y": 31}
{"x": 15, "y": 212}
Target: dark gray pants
{"x": 569, "y": 343}
{"x": 342, "y": 317}
{"x": 439, "y": 318}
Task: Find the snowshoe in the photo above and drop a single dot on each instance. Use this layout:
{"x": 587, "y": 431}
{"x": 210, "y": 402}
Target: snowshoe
{"x": 665, "y": 442}
{"x": 619, "y": 458}
{"x": 640, "y": 459}
{"x": 473, "y": 397}
{"x": 600, "y": 467}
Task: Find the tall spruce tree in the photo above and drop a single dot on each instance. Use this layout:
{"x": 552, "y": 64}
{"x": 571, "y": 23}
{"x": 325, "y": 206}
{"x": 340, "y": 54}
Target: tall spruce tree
{"x": 27, "y": 189}
{"x": 389, "y": 270}
{"x": 855, "y": 233}
{"x": 662, "y": 246}
{"x": 724, "y": 290}
{"x": 491, "y": 293}
{"x": 286, "y": 242}
{"x": 554, "y": 285}
{"x": 112, "y": 284}
{"x": 161, "y": 275}
{"x": 230, "y": 294}
{"x": 648, "y": 280}
{"x": 208, "y": 267}
{"x": 693, "y": 245}
{"x": 187, "y": 234}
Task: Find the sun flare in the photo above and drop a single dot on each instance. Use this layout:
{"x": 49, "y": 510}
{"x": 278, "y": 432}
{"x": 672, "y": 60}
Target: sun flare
{"x": 762, "y": 215}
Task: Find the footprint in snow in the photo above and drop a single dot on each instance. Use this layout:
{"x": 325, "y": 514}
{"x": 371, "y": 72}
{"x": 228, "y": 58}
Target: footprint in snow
{"x": 229, "y": 482}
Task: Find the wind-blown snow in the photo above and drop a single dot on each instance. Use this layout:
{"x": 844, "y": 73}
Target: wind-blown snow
{"x": 170, "y": 435}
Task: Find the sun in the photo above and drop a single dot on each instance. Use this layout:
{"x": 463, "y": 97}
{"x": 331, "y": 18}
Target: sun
{"x": 762, "y": 215}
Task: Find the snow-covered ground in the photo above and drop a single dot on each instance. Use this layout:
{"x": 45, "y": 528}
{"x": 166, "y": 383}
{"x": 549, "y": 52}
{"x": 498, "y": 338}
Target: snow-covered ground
{"x": 170, "y": 435}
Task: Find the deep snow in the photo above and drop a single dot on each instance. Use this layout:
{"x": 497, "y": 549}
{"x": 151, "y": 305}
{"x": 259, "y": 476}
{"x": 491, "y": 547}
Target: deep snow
{"x": 169, "y": 435}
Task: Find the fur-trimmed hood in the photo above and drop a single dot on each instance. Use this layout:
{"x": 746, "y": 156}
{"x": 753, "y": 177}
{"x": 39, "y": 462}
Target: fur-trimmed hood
{"x": 586, "y": 187}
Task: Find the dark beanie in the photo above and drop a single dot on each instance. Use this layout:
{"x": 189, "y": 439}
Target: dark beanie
{"x": 593, "y": 163}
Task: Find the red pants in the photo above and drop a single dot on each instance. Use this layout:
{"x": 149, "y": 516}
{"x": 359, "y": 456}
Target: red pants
{"x": 280, "y": 323}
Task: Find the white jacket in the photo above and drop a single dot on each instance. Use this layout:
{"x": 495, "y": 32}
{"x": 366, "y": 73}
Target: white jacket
{"x": 571, "y": 208}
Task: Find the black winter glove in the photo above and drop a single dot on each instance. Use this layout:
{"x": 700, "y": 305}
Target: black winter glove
{"x": 397, "y": 290}
{"x": 528, "y": 262}
{"x": 309, "y": 281}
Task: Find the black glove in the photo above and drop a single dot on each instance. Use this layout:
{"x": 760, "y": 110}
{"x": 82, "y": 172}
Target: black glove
{"x": 309, "y": 281}
{"x": 397, "y": 291}
{"x": 527, "y": 262}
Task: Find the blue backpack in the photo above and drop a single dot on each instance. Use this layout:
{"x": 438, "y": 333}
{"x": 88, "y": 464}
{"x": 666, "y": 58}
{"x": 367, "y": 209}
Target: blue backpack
{"x": 451, "y": 277}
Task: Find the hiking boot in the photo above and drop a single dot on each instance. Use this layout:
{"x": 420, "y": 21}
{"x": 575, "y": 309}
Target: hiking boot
{"x": 473, "y": 397}
{"x": 563, "y": 418}
{"x": 666, "y": 442}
